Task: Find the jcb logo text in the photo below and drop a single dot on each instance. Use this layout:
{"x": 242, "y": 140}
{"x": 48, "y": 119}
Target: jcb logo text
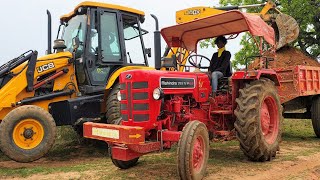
{"x": 45, "y": 67}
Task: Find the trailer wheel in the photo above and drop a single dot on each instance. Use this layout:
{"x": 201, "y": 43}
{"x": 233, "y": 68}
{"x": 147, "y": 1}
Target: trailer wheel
{"x": 123, "y": 164}
{"x": 315, "y": 115}
{"x": 193, "y": 151}
{"x": 113, "y": 106}
{"x": 259, "y": 117}
{"x": 27, "y": 133}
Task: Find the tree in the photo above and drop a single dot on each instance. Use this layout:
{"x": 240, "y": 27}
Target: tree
{"x": 307, "y": 14}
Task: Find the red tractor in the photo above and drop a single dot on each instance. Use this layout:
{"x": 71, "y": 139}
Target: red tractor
{"x": 161, "y": 108}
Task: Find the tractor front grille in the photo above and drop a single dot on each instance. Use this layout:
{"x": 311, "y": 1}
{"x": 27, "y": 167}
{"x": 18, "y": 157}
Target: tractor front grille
{"x": 134, "y": 101}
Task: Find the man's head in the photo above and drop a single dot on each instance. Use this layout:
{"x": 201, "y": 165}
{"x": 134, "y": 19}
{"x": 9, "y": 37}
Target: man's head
{"x": 220, "y": 41}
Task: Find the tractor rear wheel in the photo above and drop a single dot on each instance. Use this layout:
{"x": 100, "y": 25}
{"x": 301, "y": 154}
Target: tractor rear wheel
{"x": 113, "y": 115}
{"x": 259, "y": 117}
{"x": 193, "y": 151}
{"x": 315, "y": 115}
{"x": 123, "y": 164}
{"x": 27, "y": 133}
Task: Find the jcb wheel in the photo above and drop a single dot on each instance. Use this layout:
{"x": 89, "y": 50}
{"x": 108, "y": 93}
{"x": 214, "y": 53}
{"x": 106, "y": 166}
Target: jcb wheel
{"x": 193, "y": 151}
{"x": 123, "y": 164}
{"x": 315, "y": 115}
{"x": 27, "y": 133}
{"x": 259, "y": 116}
{"x": 113, "y": 106}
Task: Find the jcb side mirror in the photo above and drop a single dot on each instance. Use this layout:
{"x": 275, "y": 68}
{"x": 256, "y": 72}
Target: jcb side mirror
{"x": 75, "y": 43}
{"x": 147, "y": 51}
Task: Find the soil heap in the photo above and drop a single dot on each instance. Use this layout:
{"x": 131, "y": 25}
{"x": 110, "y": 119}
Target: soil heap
{"x": 287, "y": 56}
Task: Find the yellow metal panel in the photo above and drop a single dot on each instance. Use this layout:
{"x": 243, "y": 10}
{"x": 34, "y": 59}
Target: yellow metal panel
{"x": 182, "y": 57}
{"x": 15, "y": 89}
{"x": 190, "y": 14}
{"x": 66, "y": 54}
{"x": 102, "y": 5}
{"x": 116, "y": 74}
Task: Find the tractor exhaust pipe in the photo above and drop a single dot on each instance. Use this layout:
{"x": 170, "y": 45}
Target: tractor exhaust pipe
{"x": 49, "y": 33}
{"x": 157, "y": 45}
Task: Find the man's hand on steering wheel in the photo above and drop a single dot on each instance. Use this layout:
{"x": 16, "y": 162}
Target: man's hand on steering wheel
{"x": 193, "y": 59}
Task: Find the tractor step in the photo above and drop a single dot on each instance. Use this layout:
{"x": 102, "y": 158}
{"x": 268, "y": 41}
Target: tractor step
{"x": 222, "y": 112}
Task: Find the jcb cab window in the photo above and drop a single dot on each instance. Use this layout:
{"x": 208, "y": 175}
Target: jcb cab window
{"x": 110, "y": 45}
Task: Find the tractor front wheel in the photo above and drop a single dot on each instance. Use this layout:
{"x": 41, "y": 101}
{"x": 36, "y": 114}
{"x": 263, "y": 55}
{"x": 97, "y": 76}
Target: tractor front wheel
{"x": 315, "y": 115}
{"x": 27, "y": 133}
{"x": 259, "y": 116}
{"x": 193, "y": 151}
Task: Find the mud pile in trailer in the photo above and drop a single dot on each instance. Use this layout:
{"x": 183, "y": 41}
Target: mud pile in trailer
{"x": 288, "y": 56}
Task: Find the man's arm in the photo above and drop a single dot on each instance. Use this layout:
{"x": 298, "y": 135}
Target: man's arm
{"x": 211, "y": 64}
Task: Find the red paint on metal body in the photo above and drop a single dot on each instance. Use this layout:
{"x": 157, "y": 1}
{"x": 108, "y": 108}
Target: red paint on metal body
{"x": 172, "y": 136}
{"x": 198, "y": 153}
{"x": 199, "y": 93}
{"x": 298, "y": 81}
{"x": 127, "y": 134}
{"x": 145, "y": 148}
{"x": 269, "y": 119}
{"x": 123, "y": 153}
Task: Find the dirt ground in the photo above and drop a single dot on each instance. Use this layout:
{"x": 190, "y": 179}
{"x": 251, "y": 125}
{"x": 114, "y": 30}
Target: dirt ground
{"x": 298, "y": 158}
{"x": 305, "y": 167}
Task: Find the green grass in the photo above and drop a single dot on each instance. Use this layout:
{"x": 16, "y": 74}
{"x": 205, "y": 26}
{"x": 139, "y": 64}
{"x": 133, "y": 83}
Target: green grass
{"x": 297, "y": 130}
{"x": 25, "y": 172}
{"x": 69, "y": 148}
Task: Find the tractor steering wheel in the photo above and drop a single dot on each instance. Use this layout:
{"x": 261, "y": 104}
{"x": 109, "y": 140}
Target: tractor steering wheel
{"x": 192, "y": 61}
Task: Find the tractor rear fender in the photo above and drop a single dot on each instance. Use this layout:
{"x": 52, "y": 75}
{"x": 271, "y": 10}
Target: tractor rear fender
{"x": 255, "y": 75}
{"x": 239, "y": 79}
{"x": 113, "y": 78}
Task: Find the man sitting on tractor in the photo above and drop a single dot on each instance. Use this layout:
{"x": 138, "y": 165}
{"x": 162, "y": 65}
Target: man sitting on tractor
{"x": 220, "y": 63}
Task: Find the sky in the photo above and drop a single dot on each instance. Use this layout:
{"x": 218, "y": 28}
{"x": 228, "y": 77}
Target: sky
{"x": 24, "y": 23}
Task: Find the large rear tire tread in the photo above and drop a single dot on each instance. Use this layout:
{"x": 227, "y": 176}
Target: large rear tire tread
{"x": 315, "y": 115}
{"x": 190, "y": 132}
{"x": 247, "y": 125}
{"x": 7, "y": 144}
{"x": 113, "y": 106}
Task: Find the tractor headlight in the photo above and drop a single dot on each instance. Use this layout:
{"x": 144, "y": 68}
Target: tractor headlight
{"x": 157, "y": 93}
{"x": 119, "y": 96}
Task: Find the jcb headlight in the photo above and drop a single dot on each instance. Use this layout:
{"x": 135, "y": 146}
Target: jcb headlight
{"x": 119, "y": 96}
{"x": 157, "y": 93}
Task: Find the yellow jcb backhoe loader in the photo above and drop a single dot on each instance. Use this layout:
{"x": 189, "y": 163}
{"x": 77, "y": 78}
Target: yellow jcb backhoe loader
{"x": 75, "y": 84}
{"x": 286, "y": 28}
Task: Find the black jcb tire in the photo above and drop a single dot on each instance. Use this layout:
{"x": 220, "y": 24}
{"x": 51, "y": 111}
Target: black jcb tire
{"x": 123, "y": 164}
{"x": 193, "y": 151}
{"x": 113, "y": 115}
{"x": 315, "y": 115}
{"x": 27, "y": 133}
{"x": 259, "y": 117}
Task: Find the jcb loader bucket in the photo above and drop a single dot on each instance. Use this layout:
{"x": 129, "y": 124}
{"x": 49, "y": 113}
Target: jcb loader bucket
{"x": 288, "y": 29}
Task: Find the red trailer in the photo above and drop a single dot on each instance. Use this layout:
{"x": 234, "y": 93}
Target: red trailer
{"x": 299, "y": 93}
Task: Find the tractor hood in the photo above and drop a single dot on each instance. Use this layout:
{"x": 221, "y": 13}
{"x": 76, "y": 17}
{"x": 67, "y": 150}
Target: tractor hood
{"x": 170, "y": 82}
{"x": 139, "y": 107}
